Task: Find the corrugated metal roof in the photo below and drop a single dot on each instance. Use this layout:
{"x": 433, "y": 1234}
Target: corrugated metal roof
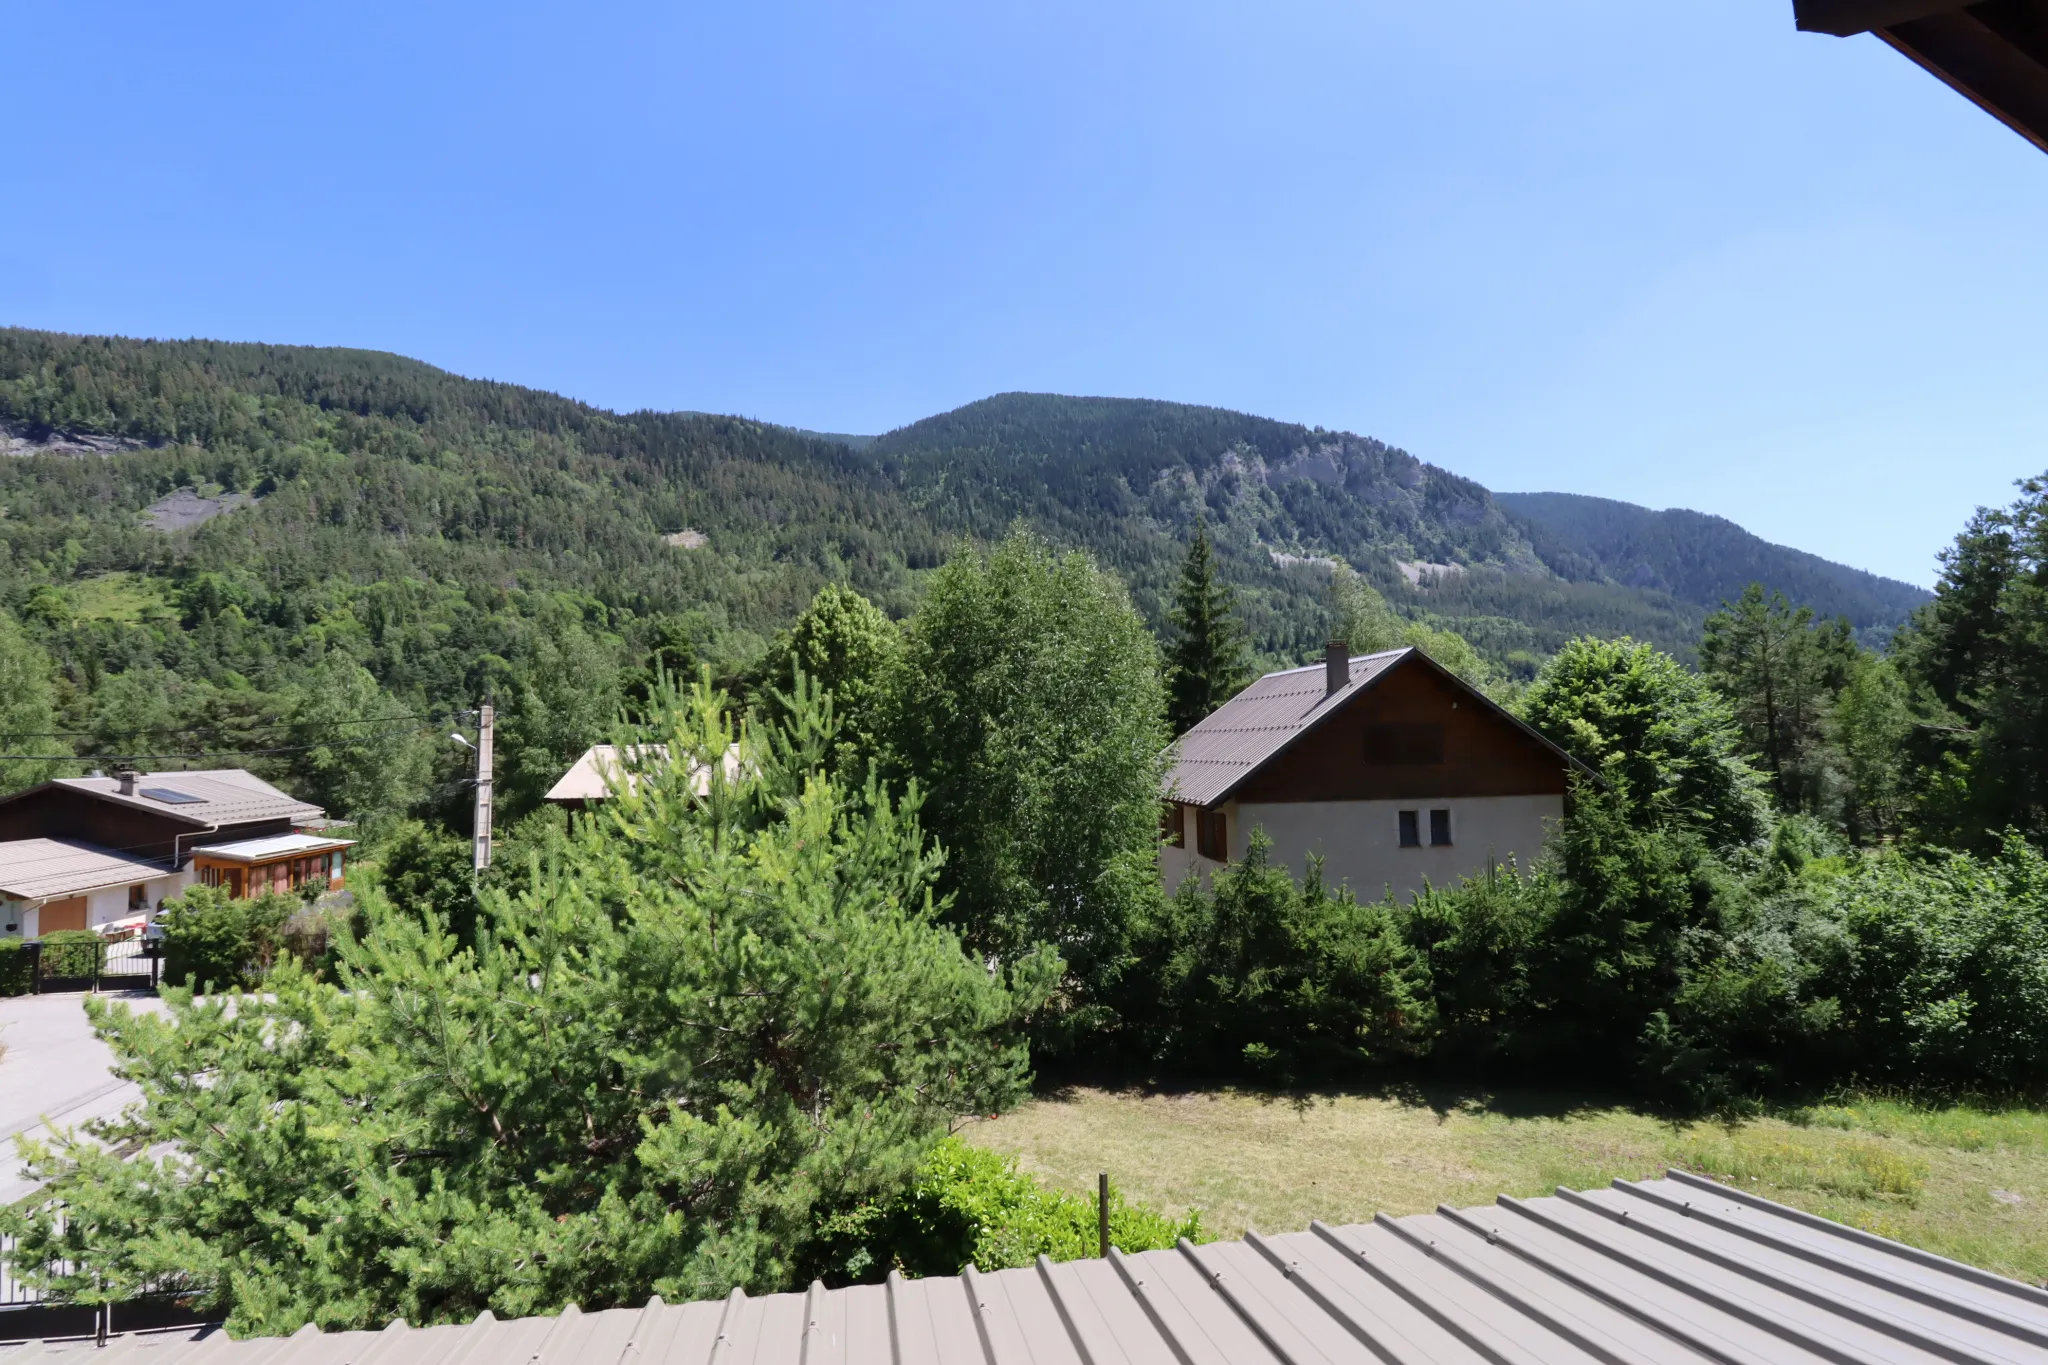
{"x": 1235, "y": 739}
{"x": 1251, "y": 728}
{"x": 226, "y": 796}
{"x": 38, "y": 869}
{"x": 276, "y": 846}
{"x": 1664, "y": 1272}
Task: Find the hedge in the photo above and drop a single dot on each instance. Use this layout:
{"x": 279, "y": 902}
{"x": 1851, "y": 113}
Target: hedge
{"x": 73, "y": 953}
{"x": 14, "y": 967}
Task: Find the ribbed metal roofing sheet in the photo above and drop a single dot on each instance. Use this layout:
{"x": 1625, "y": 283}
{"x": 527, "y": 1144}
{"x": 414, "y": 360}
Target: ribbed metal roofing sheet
{"x": 226, "y": 796}
{"x": 1663, "y": 1272}
{"x": 39, "y": 869}
{"x": 1257, "y": 723}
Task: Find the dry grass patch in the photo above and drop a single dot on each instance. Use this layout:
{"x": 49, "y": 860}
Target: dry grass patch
{"x": 1964, "y": 1182}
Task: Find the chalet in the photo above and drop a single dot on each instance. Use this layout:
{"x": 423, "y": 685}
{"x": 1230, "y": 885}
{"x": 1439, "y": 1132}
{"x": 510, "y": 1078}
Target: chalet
{"x": 101, "y": 852}
{"x": 1387, "y": 766}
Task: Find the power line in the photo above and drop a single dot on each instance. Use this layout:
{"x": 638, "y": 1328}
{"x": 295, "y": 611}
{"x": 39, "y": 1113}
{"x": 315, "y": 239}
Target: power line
{"x": 197, "y": 729}
{"x": 203, "y": 753}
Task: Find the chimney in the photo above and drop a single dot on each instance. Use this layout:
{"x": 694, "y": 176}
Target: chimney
{"x": 1336, "y": 667}
{"x": 126, "y": 778}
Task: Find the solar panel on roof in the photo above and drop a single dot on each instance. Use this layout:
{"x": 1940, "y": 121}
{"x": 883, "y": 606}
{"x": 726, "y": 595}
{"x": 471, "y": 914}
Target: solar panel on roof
{"x": 170, "y": 796}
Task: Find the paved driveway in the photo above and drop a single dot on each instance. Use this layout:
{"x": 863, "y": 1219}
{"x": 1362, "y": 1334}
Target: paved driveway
{"x": 53, "y": 1072}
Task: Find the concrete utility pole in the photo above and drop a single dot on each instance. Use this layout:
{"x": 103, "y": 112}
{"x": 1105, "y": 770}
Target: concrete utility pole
{"x": 483, "y": 789}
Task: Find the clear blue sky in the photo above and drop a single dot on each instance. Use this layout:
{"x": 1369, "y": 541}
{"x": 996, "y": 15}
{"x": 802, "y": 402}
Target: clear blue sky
{"x": 1672, "y": 253}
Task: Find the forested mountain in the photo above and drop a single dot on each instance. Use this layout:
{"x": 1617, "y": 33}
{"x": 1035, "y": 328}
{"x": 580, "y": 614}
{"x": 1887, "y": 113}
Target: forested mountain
{"x": 1699, "y": 559}
{"x": 453, "y": 537}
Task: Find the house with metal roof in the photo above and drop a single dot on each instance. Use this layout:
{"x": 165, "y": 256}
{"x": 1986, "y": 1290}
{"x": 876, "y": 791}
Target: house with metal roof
{"x": 1388, "y": 767}
{"x": 99, "y": 852}
{"x": 1676, "y": 1271}
{"x": 51, "y": 884}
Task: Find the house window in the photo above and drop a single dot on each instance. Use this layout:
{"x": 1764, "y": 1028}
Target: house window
{"x": 138, "y": 898}
{"x": 1439, "y": 828}
{"x": 1212, "y": 835}
{"x": 1404, "y": 745}
{"x": 209, "y": 876}
{"x": 1411, "y": 830}
{"x": 1170, "y": 825}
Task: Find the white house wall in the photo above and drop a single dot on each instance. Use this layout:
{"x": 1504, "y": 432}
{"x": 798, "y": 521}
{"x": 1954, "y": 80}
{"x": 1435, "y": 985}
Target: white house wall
{"x": 1177, "y": 864}
{"x": 1360, "y": 841}
{"x": 102, "y": 907}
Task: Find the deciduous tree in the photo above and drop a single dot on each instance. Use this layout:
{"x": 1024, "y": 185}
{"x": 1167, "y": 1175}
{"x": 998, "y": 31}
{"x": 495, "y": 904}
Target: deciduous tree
{"x": 1029, "y": 707}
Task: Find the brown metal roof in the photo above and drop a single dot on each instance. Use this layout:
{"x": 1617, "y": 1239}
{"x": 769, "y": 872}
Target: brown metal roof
{"x": 39, "y": 869}
{"x": 1232, "y": 742}
{"x": 1675, "y": 1271}
{"x": 1244, "y": 733}
{"x": 219, "y": 796}
{"x": 1994, "y": 53}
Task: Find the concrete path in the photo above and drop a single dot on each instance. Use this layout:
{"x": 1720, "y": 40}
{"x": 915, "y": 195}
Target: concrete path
{"x": 54, "y": 1071}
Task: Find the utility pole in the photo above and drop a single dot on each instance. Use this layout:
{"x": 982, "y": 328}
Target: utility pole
{"x": 483, "y": 788}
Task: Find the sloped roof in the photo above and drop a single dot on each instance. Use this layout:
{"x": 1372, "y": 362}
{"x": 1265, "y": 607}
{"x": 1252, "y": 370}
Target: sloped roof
{"x": 218, "y": 796}
{"x": 586, "y": 778}
{"x": 1677, "y": 1271}
{"x": 1250, "y": 729}
{"x": 275, "y": 846}
{"x": 1994, "y": 53}
{"x": 38, "y": 869}
{"x": 1235, "y": 739}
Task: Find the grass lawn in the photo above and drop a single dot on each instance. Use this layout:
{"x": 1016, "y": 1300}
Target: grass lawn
{"x": 1967, "y": 1183}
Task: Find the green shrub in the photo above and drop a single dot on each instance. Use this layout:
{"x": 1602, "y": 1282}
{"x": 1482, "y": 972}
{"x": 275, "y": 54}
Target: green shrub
{"x": 14, "y": 967}
{"x": 213, "y": 939}
{"x": 1260, "y": 974}
{"x": 1945, "y": 976}
{"x": 74, "y": 953}
{"x": 968, "y": 1206}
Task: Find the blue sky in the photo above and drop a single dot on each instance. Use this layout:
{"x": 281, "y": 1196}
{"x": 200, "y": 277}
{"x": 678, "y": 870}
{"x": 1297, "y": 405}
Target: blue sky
{"x": 1673, "y": 253}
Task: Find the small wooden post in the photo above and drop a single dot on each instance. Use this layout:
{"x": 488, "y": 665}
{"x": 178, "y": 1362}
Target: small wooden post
{"x": 1102, "y": 1211}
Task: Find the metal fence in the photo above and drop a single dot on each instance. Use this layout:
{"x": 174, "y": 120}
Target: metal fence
{"x": 128, "y": 959}
{"x": 13, "y": 1291}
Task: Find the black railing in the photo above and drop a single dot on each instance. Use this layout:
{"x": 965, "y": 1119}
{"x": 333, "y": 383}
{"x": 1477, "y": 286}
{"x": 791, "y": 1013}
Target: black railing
{"x": 127, "y": 959}
{"x": 26, "y": 1313}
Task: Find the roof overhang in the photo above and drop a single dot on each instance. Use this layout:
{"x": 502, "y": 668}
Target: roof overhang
{"x": 1993, "y": 53}
{"x": 263, "y": 850}
{"x": 1409, "y": 655}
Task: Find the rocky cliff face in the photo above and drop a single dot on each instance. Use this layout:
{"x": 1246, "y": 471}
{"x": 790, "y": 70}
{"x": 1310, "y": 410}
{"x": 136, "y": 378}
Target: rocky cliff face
{"x": 22, "y": 438}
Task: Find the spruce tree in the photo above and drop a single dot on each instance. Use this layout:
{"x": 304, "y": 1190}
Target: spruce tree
{"x": 1205, "y": 664}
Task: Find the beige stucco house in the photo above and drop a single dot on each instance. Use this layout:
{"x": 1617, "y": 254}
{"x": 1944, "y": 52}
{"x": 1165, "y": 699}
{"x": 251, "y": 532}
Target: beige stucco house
{"x": 1386, "y": 766}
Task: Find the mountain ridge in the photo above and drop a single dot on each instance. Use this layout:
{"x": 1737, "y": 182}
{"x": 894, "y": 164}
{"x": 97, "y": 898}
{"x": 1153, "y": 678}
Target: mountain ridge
{"x": 1697, "y": 556}
{"x": 374, "y": 464}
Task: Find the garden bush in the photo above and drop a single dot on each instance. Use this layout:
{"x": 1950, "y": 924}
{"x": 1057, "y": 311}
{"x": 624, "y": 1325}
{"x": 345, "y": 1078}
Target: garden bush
{"x": 970, "y": 1206}
{"x": 73, "y": 953}
{"x": 14, "y": 968}
{"x": 215, "y": 940}
{"x": 1282, "y": 980}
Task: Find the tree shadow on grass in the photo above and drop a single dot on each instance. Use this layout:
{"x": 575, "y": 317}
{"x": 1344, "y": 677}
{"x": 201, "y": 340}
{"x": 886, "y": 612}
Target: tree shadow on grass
{"x": 1441, "y": 1096}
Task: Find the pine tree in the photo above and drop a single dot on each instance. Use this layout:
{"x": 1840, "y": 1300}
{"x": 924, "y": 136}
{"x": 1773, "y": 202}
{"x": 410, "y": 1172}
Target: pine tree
{"x": 722, "y": 1016}
{"x": 1205, "y": 665}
